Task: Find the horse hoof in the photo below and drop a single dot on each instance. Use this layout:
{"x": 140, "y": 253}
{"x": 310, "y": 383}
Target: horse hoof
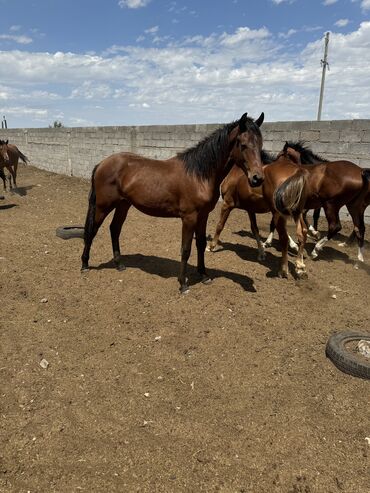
{"x": 184, "y": 289}
{"x": 206, "y": 280}
{"x": 120, "y": 267}
{"x": 84, "y": 270}
{"x": 302, "y": 275}
{"x": 282, "y": 274}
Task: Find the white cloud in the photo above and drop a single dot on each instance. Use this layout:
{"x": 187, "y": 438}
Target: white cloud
{"x": 278, "y": 2}
{"x": 24, "y": 40}
{"x": 133, "y": 4}
{"x": 199, "y": 79}
{"x": 329, "y": 2}
{"x": 365, "y": 5}
{"x": 152, "y": 30}
{"x": 288, "y": 34}
{"x": 341, "y": 22}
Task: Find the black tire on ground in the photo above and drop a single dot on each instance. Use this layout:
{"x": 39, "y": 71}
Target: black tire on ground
{"x": 67, "y": 232}
{"x": 346, "y": 360}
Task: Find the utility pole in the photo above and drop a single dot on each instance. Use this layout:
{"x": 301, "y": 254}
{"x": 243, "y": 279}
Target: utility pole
{"x": 324, "y": 64}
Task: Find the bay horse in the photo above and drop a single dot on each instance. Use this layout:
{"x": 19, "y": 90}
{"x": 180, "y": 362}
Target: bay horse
{"x": 331, "y": 185}
{"x": 9, "y": 156}
{"x": 237, "y": 193}
{"x": 185, "y": 186}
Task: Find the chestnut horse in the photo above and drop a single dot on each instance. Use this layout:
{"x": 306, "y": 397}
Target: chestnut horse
{"x": 185, "y": 186}
{"x": 9, "y": 155}
{"x": 238, "y": 194}
{"x": 330, "y": 185}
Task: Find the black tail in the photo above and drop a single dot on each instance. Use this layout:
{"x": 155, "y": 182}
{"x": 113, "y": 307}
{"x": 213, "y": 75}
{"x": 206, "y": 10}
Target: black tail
{"x": 290, "y": 197}
{"x": 23, "y": 157}
{"x": 366, "y": 174}
{"x": 90, "y": 217}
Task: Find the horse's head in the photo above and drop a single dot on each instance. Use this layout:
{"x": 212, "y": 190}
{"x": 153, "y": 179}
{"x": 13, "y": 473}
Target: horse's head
{"x": 290, "y": 153}
{"x": 249, "y": 144}
{"x": 4, "y": 151}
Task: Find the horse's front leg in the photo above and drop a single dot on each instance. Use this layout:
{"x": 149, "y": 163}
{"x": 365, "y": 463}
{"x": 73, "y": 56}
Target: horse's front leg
{"x": 188, "y": 228}
{"x": 302, "y": 238}
{"x": 225, "y": 212}
{"x": 201, "y": 242}
{"x": 280, "y": 222}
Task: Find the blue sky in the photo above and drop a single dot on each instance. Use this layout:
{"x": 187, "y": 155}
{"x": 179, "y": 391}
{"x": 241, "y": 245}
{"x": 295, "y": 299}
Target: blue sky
{"x": 134, "y": 62}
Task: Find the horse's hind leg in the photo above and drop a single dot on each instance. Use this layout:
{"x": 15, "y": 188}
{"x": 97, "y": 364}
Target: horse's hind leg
{"x": 225, "y": 212}
{"x": 292, "y": 244}
{"x": 311, "y": 229}
{"x": 119, "y": 217}
{"x": 12, "y": 175}
{"x": 302, "y": 238}
{"x": 334, "y": 226}
{"x": 280, "y": 222}
{"x": 270, "y": 237}
{"x": 94, "y": 219}
{"x": 357, "y": 215}
{"x": 256, "y": 234}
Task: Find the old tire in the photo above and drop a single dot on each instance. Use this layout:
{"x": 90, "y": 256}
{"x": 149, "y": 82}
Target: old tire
{"x": 345, "y": 359}
{"x": 67, "y": 232}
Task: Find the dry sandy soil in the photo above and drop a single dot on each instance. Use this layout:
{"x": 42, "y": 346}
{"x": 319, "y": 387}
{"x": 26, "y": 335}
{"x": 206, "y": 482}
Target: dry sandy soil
{"x": 226, "y": 389}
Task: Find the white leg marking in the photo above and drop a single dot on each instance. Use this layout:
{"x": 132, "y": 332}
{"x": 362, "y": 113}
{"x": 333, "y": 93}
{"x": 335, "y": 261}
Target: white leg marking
{"x": 269, "y": 240}
{"x": 319, "y": 246}
{"x": 292, "y": 244}
{"x": 360, "y": 255}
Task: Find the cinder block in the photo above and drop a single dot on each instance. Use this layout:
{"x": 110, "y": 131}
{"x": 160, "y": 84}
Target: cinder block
{"x": 329, "y": 136}
{"x": 309, "y": 135}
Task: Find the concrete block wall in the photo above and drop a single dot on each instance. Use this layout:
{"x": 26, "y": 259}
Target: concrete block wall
{"x": 75, "y": 151}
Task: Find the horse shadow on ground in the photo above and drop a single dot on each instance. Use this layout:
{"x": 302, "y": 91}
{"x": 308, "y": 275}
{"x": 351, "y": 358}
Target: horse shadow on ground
{"x": 7, "y": 206}
{"x": 168, "y": 268}
{"x": 21, "y": 191}
{"x": 328, "y": 254}
{"x": 250, "y": 254}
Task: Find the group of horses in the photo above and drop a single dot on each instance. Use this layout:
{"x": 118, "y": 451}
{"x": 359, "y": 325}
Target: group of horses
{"x": 9, "y": 156}
{"x": 232, "y": 159}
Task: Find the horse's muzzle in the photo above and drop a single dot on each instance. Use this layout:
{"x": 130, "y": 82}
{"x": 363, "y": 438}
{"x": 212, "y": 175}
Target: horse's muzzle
{"x": 256, "y": 181}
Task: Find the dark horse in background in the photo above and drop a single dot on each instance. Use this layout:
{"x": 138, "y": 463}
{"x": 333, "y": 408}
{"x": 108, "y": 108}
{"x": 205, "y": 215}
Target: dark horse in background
{"x": 9, "y": 156}
{"x": 185, "y": 186}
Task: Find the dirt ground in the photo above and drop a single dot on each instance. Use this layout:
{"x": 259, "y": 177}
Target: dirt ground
{"x": 226, "y": 389}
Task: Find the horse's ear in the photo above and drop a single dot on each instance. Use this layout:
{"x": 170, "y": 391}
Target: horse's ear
{"x": 260, "y": 119}
{"x": 286, "y": 147}
{"x": 6, "y": 143}
{"x": 242, "y": 125}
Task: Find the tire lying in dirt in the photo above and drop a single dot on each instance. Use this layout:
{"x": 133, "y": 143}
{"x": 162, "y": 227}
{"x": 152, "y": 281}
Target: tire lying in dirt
{"x": 67, "y": 232}
{"x": 346, "y": 358}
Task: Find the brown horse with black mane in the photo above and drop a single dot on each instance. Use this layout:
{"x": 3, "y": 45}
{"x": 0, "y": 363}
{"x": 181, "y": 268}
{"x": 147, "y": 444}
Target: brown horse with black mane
{"x": 184, "y": 186}
{"x": 9, "y": 156}
{"x": 237, "y": 193}
{"x": 332, "y": 185}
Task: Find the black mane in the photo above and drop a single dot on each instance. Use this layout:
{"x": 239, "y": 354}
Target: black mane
{"x": 307, "y": 156}
{"x": 267, "y": 157}
{"x": 203, "y": 159}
